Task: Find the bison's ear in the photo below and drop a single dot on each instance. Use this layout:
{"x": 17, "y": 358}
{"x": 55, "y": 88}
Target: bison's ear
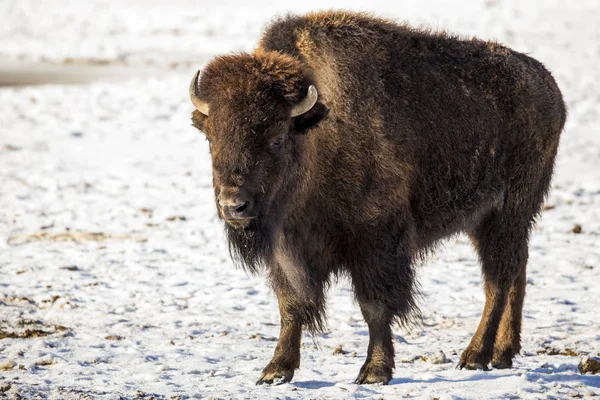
{"x": 311, "y": 118}
{"x": 198, "y": 120}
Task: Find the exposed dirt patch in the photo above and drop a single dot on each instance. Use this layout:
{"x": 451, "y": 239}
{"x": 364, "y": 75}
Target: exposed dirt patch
{"x": 70, "y": 71}
{"x": 28, "y": 329}
{"x": 552, "y": 351}
{"x": 589, "y": 364}
{"x": 71, "y": 235}
{"x": 7, "y": 366}
{"x": 263, "y": 337}
{"x": 70, "y": 267}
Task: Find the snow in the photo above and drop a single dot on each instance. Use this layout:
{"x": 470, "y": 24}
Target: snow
{"x": 114, "y": 273}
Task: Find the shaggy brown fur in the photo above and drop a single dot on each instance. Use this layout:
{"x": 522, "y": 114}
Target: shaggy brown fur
{"x": 416, "y": 136}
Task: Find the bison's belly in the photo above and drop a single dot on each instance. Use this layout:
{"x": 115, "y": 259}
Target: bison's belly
{"x": 450, "y": 195}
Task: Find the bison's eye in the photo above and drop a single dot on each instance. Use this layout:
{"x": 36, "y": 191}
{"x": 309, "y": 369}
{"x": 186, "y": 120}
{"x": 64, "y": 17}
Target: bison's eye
{"x": 276, "y": 144}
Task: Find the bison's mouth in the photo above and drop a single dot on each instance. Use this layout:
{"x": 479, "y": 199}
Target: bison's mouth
{"x": 239, "y": 223}
{"x": 236, "y": 222}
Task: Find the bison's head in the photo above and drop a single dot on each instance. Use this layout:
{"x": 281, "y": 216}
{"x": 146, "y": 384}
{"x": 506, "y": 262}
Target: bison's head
{"x": 254, "y": 110}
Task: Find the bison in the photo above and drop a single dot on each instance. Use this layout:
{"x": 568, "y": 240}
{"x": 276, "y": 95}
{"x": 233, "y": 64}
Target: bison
{"x": 349, "y": 145}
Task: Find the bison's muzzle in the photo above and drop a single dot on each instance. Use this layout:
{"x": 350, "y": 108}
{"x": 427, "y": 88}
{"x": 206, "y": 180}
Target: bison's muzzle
{"x": 235, "y": 206}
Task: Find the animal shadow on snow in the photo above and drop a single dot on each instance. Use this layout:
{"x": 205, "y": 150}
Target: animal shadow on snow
{"x": 313, "y": 384}
{"x": 564, "y": 373}
{"x": 483, "y": 376}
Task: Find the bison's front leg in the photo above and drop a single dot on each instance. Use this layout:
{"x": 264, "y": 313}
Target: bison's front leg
{"x": 287, "y": 353}
{"x": 385, "y": 292}
{"x": 380, "y": 354}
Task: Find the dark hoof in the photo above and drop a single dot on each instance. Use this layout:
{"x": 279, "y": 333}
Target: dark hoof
{"x": 473, "y": 360}
{"x": 275, "y": 375}
{"x": 503, "y": 358}
{"x": 501, "y": 364}
{"x": 372, "y": 373}
{"x": 473, "y": 366}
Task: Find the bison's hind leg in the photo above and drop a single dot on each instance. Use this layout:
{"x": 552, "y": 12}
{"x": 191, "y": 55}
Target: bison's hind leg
{"x": 508, "y": 339}
{"x": 501, "y": 240}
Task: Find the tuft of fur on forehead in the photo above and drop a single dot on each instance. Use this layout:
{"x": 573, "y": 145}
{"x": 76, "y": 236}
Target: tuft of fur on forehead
{"x": 262, "y": 78}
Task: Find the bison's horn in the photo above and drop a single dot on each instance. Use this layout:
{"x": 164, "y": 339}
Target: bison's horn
{"x": 200, "y": 105}
{"x": 307, "y": 103}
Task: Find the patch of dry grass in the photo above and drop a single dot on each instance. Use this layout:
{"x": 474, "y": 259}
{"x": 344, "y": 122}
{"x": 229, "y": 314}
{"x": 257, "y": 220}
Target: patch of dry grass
{"x": 70, "y": 235}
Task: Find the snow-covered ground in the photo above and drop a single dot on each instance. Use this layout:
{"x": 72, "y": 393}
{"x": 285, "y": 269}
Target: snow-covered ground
{"x": 115, "y": 280}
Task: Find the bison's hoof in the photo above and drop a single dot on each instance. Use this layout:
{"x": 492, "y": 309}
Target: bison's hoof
{"x": 374, "y": 373}
{"x": 275, "y": 374}
{"x": 503, "y": 357}
{"x": 473, "y": 360}
{"x": 500, "y": 363}
{"x": 473, "y": 366}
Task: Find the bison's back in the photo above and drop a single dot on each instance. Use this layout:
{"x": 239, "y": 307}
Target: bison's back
{"x": 412, "y": 73}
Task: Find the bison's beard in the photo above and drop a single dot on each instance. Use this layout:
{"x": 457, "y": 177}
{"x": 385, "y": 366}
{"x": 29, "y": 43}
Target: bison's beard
{"x": 249, "y": 246}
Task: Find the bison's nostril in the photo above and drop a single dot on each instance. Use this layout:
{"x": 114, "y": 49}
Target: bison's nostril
{"x": 237, "y": 210}
{"x": 242, "y": 207}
